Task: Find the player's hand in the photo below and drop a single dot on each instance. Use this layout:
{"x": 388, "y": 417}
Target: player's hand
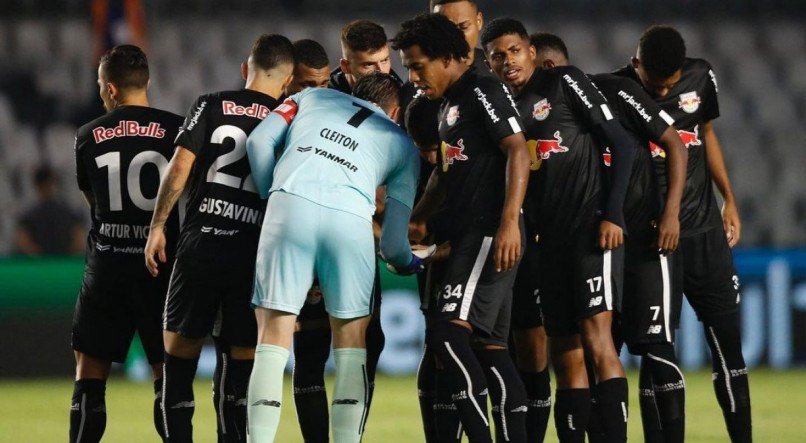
{"x": 611, "y": 236}
{"x": 155, "y": 246}
{"x": 507, "y": 245}
{"x": 730, "y": 219}
{"x": 417, "y": 232}
{"x": 668, "y": 233}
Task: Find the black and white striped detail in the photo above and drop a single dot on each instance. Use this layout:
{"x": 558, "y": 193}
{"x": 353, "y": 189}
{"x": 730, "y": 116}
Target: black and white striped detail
{"x": 667, "y": 297}
{"x": 726, "y": 372}
{"x": 222, "y": 396}
{"x": 469, "y": 382}
{"x": 475, "y": 274}
{"x": 83, "y": 417}
{"x": 163, "y": 406}
{"x": 607, "y": 277}
{"x": 502, "y": 407}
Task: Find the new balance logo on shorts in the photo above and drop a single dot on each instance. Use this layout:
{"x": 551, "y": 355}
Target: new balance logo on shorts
{"x": 654, "y": 329}
{"x": 449, "y": 307}
{"x": 595, "y": 301}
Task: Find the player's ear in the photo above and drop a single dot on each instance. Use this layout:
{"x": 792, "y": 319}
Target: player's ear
{"x": 479, "y": 20}
{"x": 635, "y": 62}
{"x": 532, "y": 52}
{"x": 394, "y": 113}
{"x": 113, "y": 91}
{"x": 548, "y": 63}
{"x": 345, "y": 66}
{"x": 244, "y": 70}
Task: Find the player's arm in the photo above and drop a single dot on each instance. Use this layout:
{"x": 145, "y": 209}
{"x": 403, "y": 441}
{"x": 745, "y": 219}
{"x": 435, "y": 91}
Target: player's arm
{"x": 719, "y": 173}
{"x": 401, "y": 186}
{"x": 171, "y": 187}
{"x": 676, "y": 163}
{"x": 265, "y": 141}
{"x": 508, "y": 238}
{"x": 430, "y": 202}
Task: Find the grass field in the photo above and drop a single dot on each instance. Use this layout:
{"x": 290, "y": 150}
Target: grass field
{"x": 37, "y": 411}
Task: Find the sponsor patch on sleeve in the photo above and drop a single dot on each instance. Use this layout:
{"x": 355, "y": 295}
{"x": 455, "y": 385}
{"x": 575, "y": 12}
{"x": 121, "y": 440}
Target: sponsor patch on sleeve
{"x": 606, "y": 111}
{"x": 666, "y": 117}
{"x": 513, "y": 123}
{"x": 287, "y": 110}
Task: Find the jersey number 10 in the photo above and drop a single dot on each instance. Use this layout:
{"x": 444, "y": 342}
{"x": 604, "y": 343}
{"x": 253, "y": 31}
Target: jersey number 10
{"x": 111, "y": 161}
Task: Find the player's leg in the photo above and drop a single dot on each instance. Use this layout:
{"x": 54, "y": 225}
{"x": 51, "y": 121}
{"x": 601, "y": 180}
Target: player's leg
{"x": 311, "y": 351}
{"x": 150, "y": 300}
{"x": 284, "y": 272}
{"x": 376, "y": 340}
{"x": 190, "y": 311}
{"x": 351, "y": 389}
{"x": 712, "y": 287}
{"x": 573, "y": 398}
{"x": 88, "y": 406}
{"x": 531, "y": 344}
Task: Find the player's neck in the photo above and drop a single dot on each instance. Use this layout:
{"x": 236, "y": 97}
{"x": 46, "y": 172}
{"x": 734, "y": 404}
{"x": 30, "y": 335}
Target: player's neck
{"x": 458, "y": 71}
{"x": 134, "y": 99}
{"x": 265, "y": 85}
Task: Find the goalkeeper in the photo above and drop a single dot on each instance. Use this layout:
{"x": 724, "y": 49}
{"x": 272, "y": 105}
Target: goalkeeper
{"x": 319, "y": 158}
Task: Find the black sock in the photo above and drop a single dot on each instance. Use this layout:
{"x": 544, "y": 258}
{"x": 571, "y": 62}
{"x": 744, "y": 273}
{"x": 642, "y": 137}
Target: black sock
{"x": 311, "y": 350}
{"x": 507, "y": 394}
{"x": 447, "y": 424}
{"x": 611, "y": 399}
{"x": 88, "y": 411}
{"x": 178, "y": 403}
{"x": 669, "y": 390}
{"x": 571, "y": 414}
{"x": 235, "y": 387}
{"x": 427, "y": 393}
{"x": 730, "y": 375}
{"x": 650, "y": 416}
{"x": 157, "y": 410}
{"x": 538, "y": 393}
{"x": 465, "y": 376}
{"x": 376, "y": 340}
{"x": 596, "y": 428}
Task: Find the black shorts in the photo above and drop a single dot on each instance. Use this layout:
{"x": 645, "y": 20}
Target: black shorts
{"x": 649, "y": 311}
{"x": 707, "y": 274}
{"x": 577, "y": 281}
{"x": 212, "y": 297}
{"x": 314, "y": 307}
{"x": 526, "y": 312}
{"x": 115, "y": 300}
{"x": 471, "y": 290}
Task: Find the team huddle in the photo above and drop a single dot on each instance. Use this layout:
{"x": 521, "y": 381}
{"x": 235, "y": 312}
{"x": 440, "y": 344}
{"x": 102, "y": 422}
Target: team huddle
{"x": 549, "y": 215}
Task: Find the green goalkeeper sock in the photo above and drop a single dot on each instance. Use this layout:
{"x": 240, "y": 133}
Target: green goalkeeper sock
{"x": 349, "y": 409}
{"x": 265, "y": 394}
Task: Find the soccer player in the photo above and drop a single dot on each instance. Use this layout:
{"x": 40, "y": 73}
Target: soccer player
{"x": 466, "y": 16}
{"x": 646, "y": 322}
{"x": 335, "y": 151}
{"x": 312, "y": 67}
{"x": 481, "y": 179}
{"x": 575, "y": 216}
{"x": 119, "y": 159}
{"x": 211, "y": 283}
{"x": 365, "y": 49}
{"x": 686, "y": 88}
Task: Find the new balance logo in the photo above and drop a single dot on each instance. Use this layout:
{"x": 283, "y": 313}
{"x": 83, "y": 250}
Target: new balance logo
{"x": 523, "y": 408}
{"x": 102, "y": 248}
{"x": 449, "y": 307}
{"x": 595, "y": 301}
{"x": 654, "y": 329}
{"x": 263, "y": 402}
{"x": 345, "y": 401}
{"x": 301, "y": 149}
{"x": 184, "y": 404}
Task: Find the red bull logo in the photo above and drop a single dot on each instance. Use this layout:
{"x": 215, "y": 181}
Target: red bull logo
{"x": 451, "y": 153}
{"x": 541, "y": 110}
{"x": 542, "y": 149}
{"x": 689, "y": 139}
{"x": 689, "y": 102}
{"x": 606, "y": 157}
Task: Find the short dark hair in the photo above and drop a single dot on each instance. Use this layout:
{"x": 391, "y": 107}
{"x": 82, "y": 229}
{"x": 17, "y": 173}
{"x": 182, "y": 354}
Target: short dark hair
{"x": 310, "y": 53}
{"x": 434, "y": 3}
{"x": 379, "y": 88}
{"x": 436, "y": 36}
{"x": 363, "y": 35}
{"x": 662, "y": 50}
{"x": 422, "y": 120}
{"x": 272, "y": 50}
{"x": 546, "y": 40}
{"x": 126, "y": 66}
{"x": 502, "y": 26}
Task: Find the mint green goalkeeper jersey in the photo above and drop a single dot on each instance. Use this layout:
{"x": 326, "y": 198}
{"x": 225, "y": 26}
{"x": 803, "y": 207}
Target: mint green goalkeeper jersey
{"x": 334, "y": 150}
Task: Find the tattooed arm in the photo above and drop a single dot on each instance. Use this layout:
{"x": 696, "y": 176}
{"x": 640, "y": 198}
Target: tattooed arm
{"x": 171, "y": 187}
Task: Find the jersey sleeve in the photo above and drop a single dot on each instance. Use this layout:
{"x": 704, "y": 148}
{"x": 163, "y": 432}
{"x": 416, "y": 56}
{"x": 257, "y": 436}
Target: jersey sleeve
{"x": 709, "y": 97}
{"x": 266, "y": 142}
{"x": 644, "y": 113}
{"x": 584, "y": 100}
{"x": 81, "y": 171}
{"x": 192, "y": 134}
{"x": 497, "y": 109}
{"x": 401, "y": 184}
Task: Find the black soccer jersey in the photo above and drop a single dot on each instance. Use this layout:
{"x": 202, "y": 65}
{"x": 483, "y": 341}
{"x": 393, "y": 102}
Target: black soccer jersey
{"x": 338, "y": 81}
{"x": 476, "y": 113}
{"x": 560, "y": 108}
{"x": 644, "y": 119}
{"x": 224, "y": 211}
{"x": 691, "y": 102}
{"x": 119, "y": 160}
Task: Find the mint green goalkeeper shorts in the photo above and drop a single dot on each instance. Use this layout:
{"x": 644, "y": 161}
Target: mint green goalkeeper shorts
{"x": 301, "y": 239}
